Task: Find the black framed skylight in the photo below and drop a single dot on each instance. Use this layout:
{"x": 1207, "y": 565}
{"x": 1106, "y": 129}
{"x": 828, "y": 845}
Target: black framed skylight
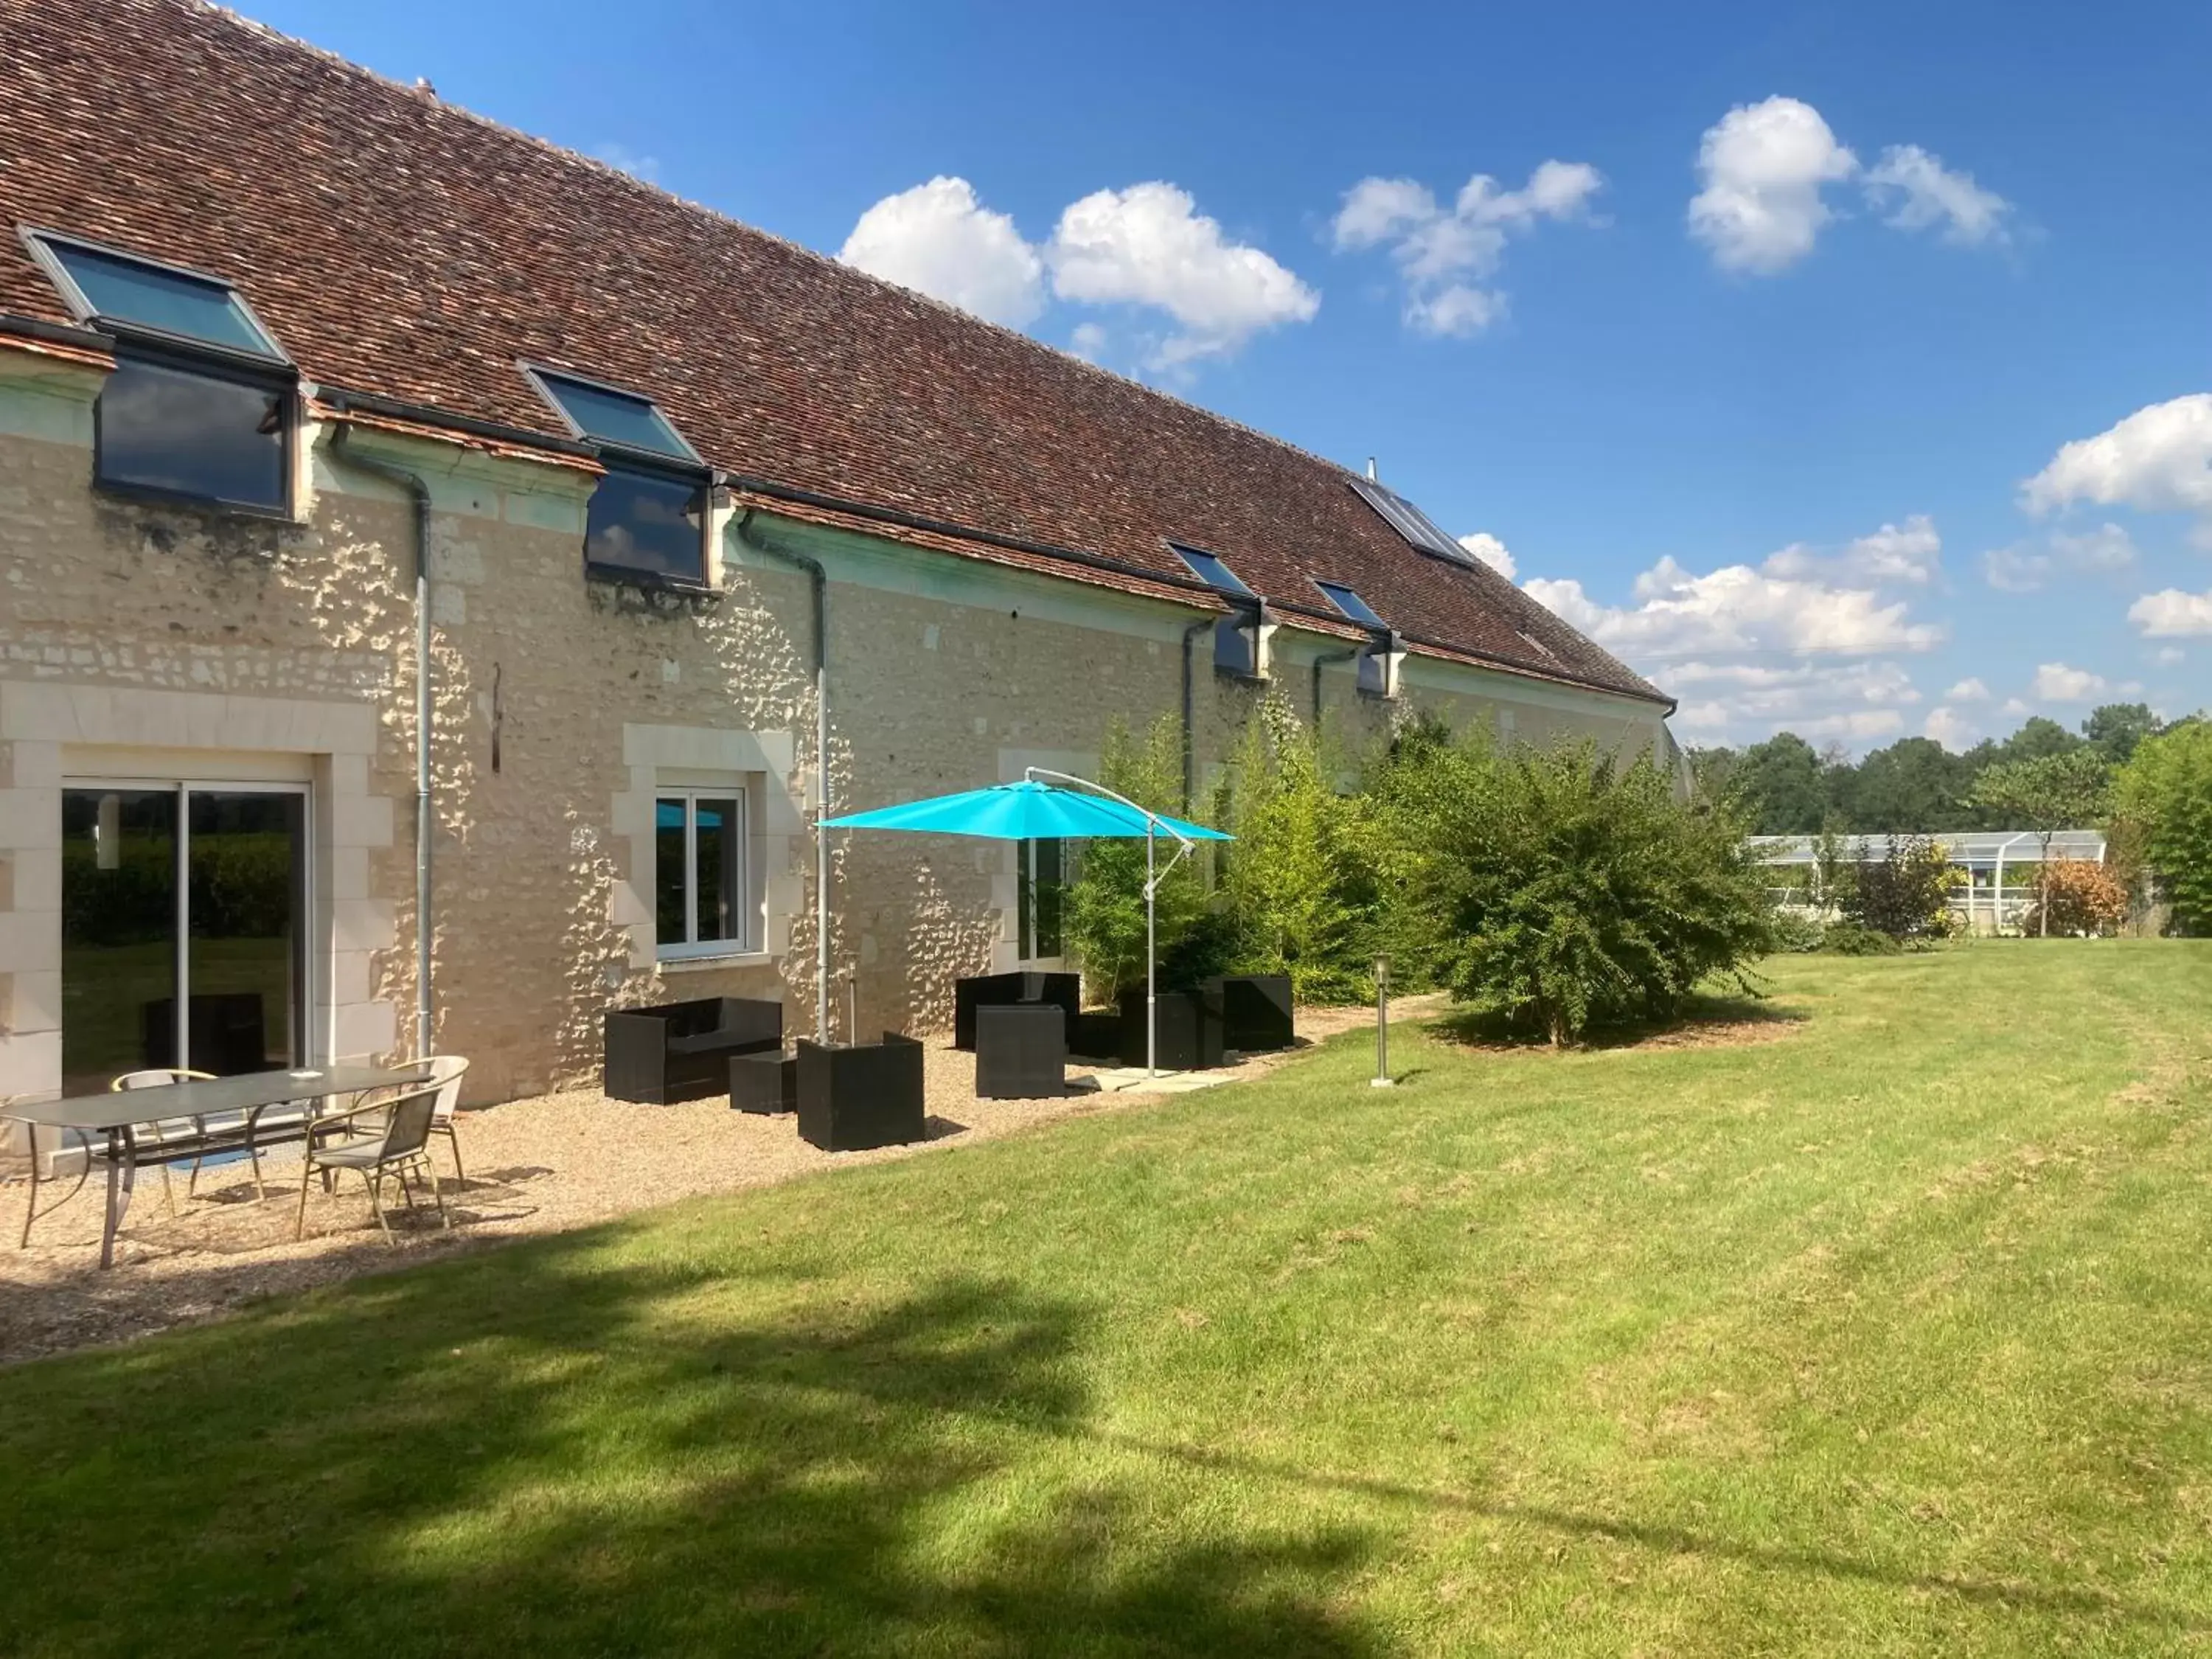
{"x": 1209, "y": 569}
{"x": 1409, "y": 521}
{"x": 608, "y": 415}
{"x": 108, "y": 287}
{"x": 1344, "y": 599}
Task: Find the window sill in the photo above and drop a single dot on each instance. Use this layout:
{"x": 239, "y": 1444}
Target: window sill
{"x": 207, "y": 506}
{"x": 732, "y": 959}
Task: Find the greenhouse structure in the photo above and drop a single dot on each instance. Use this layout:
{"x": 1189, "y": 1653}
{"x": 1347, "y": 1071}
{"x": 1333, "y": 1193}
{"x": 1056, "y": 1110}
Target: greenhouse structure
{"x": 1999, "y": 865}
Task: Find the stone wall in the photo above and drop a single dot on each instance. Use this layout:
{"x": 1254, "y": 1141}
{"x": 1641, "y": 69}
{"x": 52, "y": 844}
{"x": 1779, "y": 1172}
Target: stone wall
{"x": 163, "y": 640}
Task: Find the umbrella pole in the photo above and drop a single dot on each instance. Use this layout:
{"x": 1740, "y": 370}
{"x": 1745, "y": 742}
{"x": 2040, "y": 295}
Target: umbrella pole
{"x": 1152, "y": 997}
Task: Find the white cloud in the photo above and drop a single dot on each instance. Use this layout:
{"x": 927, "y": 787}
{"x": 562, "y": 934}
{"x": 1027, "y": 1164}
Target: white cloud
{"x": 1845, "y": 700}
{"x": 1971, "y": 690}
{"x": 2167, "y": 655}
{"x": 1737, "y": 609}
{"x": 1149, "y": 246}
{"x": 2056, "y": 682}
{"x": 1443, "y": 253}
{"x": 2159, "y": 459}
{"x": 1491, "y": 551}
{"x": 623, "y": 159}
{"x": 2016, "y": 708}
{"x": 1087, "y": 340}
{"x": 2021, "y": 568}
{"x": 1910, "y": 552}
{"x": 1947, "y": 726}
{"x": 938, "y": 238}
{"x": 2173, "y": 614}
{"x": 1763, "y": 166}
{"x": 1923, "y": 194}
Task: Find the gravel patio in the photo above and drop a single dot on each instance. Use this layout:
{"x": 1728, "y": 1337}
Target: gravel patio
{"x": 539, "y": 1165}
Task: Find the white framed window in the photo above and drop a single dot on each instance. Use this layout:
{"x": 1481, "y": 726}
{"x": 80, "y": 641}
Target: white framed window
{"x": 699, "y": 878}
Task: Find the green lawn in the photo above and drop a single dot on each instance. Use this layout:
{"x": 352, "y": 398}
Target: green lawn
{"x": 1891, "y": 1335}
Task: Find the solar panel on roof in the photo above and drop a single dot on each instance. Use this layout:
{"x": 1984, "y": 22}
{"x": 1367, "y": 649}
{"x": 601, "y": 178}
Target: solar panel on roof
{"x": 1350, "y": 603}
{"x": 1409, "y": 521}
{"x": 1209, "y": 569}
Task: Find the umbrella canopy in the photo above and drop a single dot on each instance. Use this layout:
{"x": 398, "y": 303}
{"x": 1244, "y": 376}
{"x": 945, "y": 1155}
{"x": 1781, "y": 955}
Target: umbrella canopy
{"x": 1029, "y": 811}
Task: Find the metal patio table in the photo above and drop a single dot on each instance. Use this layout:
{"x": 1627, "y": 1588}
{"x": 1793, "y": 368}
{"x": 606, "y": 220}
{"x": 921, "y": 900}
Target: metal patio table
{"x": 113, "y": 1114}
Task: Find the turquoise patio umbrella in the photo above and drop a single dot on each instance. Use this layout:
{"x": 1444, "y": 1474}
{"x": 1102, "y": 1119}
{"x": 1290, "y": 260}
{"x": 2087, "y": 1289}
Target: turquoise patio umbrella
{"x": 1036, "y": 810}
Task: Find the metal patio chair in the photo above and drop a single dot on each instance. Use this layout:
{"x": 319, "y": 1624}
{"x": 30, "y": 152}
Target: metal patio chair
{"x": 184, "y": 1136}
{"x": 390, "y": 1137}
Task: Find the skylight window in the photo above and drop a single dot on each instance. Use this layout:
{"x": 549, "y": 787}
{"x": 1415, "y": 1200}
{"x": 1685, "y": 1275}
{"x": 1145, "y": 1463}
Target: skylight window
{"x": 108, "y": 287}
{"x": 1409, "y": 521}
{"x": 650, "y": 515}
{"x": 1350, "y": 603}
{"x": 201, "y": 405}
{"x": 1209, "y": 569}
{"x": 608, "y": 415}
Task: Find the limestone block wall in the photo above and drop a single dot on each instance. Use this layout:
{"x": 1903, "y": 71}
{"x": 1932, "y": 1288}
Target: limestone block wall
{"x": 147, "y": 640}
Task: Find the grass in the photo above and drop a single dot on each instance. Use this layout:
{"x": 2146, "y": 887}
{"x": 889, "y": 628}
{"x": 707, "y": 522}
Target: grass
{"x": 1892, "y": 1334}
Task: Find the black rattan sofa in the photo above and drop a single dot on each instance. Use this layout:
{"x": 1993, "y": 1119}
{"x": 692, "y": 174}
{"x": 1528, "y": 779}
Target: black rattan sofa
{"x": 682, "y": 1050}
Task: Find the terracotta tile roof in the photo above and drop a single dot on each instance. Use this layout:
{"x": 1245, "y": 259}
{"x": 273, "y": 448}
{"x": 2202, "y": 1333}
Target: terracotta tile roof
{"x": 400, "y": 246}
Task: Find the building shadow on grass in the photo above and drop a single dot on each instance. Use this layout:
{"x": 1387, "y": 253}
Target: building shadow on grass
{"x": 567, "y": 1447}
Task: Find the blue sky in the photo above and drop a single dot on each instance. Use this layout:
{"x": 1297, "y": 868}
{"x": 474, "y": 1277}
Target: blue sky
{"x": 1774, "y": 452}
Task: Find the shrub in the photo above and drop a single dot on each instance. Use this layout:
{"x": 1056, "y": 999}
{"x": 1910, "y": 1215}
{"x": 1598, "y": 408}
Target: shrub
{"x": 1848, "y": 938}
{"x": 1905, "y": 894}
{"x": 1297, "y": 893}
{"x": 2076, "y": 896}
{"x": 1796, "y": 932}
{"x": 2164, "y": 797}
{"x": 1103, "y": 918}
{"x": 1560, "y": 890}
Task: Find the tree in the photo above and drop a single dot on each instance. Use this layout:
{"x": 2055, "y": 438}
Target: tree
{"x": 1904, "y": 894}
{"x": 1104, "y": 917}
{"x": 2046, "y": 794}
{"x": 1781, "y": 785}
{"x": 1298, "y": 889}
{"x": 2037, "y": 739}
{"x": 2080, "y": 896}
{"x": 1911, "y": 788}
{"x": 2164, "y": 797}
{"x": 2115, "y": 729}
{"x": 1558, "y": 891}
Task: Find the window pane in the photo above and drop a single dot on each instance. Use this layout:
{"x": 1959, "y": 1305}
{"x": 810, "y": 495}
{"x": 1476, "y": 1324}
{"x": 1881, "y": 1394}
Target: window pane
{"x": 1051, "y": 883}
{"x": 642, "y": 522}
{"x": 1344, "y": 599}
{"x": 119, "y": 933}
{"x": 618, "y": 417}
{"x": 195, "y": 434}
{"x": 668, "y": 883}
{"x": 1209, "y": 570}
{"x": 720, "y": 843}
{"x": 245, "y": 879}
{"x": 133, "y": 293}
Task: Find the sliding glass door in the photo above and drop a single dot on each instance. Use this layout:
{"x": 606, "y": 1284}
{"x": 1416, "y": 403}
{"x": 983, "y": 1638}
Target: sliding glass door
{"x": 184, "y": 933}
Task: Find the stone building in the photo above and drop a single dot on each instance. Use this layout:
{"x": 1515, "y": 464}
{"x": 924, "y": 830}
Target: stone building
{"x": 343, "y": 434}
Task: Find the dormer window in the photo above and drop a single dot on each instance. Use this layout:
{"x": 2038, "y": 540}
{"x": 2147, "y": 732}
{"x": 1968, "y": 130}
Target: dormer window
{"x": 650, "y": 515}
{"x": 1210, "y": 569}
{"x": 1355, "y": 608}
{"x": 1409, "y": 521}
{"x": 201, "y": 405}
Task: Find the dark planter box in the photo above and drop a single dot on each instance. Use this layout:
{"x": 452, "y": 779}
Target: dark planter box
{"x": 982, "y": 990}
{"x": 1256, "y": 1010}
{"x": 765, "y": 1083}
{"x": 1021, "y": 1050}
{"x": 868, "y": 1094}
{"x": 1096, "y": 1034}
{"x": 1190, "y": 1030}
{"x": 681, "y": 1050}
